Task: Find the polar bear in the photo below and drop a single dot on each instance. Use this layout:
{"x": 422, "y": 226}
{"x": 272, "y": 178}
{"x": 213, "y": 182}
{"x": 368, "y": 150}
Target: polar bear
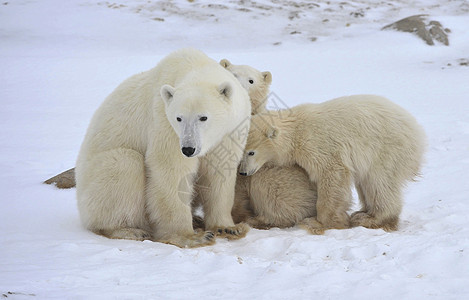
{"x": 146, "y": 144}
{"x": 364, "y": 139}
{"x": 257, "y": 83}
{"x": 275, "y": 196}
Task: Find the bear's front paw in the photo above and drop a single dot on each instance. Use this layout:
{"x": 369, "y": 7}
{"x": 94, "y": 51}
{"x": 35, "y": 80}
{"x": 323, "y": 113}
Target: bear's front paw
{"x": 198, "y": 239}
{"x": 232, "y": 233}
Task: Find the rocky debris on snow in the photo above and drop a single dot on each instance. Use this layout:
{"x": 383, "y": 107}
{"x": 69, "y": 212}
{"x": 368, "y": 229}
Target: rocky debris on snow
{"x": 64, "y": 180}
{"x": 462, "y": 62}
{"x": 427, "y": 30}
{"x": 308, "y": 19}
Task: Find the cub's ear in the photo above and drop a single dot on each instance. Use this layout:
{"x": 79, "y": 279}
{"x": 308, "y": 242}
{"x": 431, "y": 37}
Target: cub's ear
{"x": 272, "y": 132}
{"x": 267, "y": 77}
{"x": 167, "y": 93}
{"x": 226, "y": 89}
{"x": 225, "y": 63}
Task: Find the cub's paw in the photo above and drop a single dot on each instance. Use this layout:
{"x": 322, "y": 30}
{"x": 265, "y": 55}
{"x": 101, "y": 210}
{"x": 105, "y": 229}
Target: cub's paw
{"x": 337, "y": 220}
{"x": 312, "y": 226}
{"x": 232, "y": 233}
{"x": 258, "y": 223}
{"x": 361, "y": 218}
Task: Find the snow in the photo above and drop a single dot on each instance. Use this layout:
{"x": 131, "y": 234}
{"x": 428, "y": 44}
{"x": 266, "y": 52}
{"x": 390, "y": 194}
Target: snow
{"x": 60, "y": 59}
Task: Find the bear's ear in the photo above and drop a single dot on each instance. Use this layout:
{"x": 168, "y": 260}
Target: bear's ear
{"x": 167, "y": 93}
{"x": 267, "y": 77}
{"x": 225, "y": 63}
{"x": 271, "y": 133}
{"x": 226, "y": 90}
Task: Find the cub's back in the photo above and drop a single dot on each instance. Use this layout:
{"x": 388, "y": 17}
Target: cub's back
{"x": 357, "y": 116}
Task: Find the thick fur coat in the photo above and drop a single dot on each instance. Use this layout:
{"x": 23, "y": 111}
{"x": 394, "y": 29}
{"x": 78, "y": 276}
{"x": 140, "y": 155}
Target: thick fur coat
{"x": 364, "y": 140}
{"x": 152, "y": 137}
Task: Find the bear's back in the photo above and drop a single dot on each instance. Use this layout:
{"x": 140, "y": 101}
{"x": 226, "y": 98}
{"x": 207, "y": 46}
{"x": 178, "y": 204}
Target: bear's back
{"x": 357, "y": 116}
{"x": 363, "y": 129}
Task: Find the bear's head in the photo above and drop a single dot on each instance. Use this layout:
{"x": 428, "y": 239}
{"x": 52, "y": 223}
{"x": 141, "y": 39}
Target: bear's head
{"x": 261, "y": 147}
{"x": 257, "y": 83}
{"x": 199, "y": 114}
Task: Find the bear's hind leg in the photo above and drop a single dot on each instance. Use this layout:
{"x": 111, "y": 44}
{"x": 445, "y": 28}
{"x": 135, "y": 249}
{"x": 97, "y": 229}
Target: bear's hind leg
{"x": 110, "y": 193}
{"x": 125, "y": 233}
{"x": 383, "y": 204}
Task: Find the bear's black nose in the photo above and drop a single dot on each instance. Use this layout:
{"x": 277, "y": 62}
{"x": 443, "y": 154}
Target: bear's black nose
{"x": 243, "y": 173}
{"x": 188, "y": 151}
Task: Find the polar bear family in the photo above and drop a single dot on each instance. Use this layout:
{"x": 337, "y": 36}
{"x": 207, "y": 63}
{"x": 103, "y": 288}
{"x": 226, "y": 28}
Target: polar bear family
{"x": 178, "y": 133}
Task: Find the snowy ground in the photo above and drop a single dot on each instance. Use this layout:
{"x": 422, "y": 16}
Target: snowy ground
{"x": 59, "y": 59}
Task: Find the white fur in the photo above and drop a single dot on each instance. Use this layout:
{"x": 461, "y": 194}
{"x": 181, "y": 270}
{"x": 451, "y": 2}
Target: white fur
{"x": 133, "y": 180}
{"x": 362, "y": 139}
{"x": 257, "y": 83}
{"x": 275, "y": 196}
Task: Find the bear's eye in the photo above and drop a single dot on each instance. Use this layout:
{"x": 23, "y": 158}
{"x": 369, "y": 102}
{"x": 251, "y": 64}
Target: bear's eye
{"x": 203, "y": 119}
{"x": 251, "y": 81}
{"x": 251, "y": 153}
{"x": 178, "y": 119}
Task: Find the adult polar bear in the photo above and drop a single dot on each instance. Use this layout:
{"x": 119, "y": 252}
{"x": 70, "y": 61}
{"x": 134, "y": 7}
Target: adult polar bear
{"x": 136, "y": 167}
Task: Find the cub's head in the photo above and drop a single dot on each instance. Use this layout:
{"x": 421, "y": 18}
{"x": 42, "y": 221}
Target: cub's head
{"x": 198, "y": 115}
{"x": 257, "y": 83}
{"x": 261, "y": 146}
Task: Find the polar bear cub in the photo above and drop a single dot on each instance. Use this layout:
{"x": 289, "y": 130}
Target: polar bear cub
{"x": 137, "y": 165}
{"x": 364, "y": 139}
{"x": 275, "y": 196}
{"x": 257, "y": 83}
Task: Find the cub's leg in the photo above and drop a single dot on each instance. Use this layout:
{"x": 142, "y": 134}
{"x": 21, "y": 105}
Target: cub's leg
{"x": 382, "y": 205}
{"x": 242, "y": 209}
{"x": 334, "y": 198}
{"x": 110, "y": 193}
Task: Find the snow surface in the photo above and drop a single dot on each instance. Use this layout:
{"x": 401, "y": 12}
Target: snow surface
{"x": 59, "y": 59}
